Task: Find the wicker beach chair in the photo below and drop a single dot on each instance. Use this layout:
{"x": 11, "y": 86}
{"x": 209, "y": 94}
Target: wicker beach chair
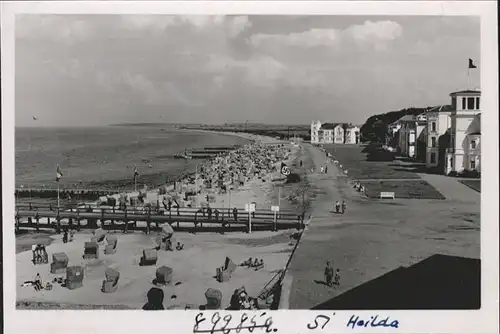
{"x": 74, "y": 277}
{"x": 110, "y": 282}
{"x": 59, "y": 263}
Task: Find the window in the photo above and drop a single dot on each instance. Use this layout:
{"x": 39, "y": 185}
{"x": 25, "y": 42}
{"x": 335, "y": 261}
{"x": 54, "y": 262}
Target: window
{"x": 463, "y": 103}
{"x": 433, "y": 126}
{"x": 473, "y": 144}
{"x": 433, "y": 158}
{"x": 470, "y": 103}
{"x": 433, "y": 142}
{"x": 473, "y": 164}
{"x": 477, "y": 102}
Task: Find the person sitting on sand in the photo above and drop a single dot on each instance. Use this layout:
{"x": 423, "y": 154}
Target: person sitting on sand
{"x": 247, "y": 263}
{"x": 155, "y": 300}
{"x": 328, "y": 274}
{"x": 255, "y": 263}
{"x": 38, "y": 282}
{"x": 179, "y": 246}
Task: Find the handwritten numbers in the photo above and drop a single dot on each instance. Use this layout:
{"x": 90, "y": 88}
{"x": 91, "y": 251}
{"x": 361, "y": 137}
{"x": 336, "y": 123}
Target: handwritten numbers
{"x": 198, "y": 320}
{"x": 227, "y": 319}
{"x": 244, "y": 317}
{"x": 320, "y": 320}
{"x": 215, "y": 320}
{"x": 222, "y": 324}
{"x": 268, "y": 324}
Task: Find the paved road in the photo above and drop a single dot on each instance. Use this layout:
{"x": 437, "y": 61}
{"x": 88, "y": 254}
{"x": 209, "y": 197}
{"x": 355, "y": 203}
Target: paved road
{"x": 373, "y": 237}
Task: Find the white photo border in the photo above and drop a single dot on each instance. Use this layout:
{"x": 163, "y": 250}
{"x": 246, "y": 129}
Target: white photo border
{"x": 484, "y": 320}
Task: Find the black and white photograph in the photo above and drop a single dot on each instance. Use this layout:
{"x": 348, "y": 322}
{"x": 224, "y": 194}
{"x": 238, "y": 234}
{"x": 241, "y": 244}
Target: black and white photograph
{"x": 219, "y": 162}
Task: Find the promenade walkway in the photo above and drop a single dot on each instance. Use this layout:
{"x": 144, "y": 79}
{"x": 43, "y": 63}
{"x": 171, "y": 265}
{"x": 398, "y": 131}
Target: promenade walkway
{"x": 373, "y": 238}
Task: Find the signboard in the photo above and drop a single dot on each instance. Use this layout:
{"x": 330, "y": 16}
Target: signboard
{"x": 250, "y": 207}
{"x": 275, "y": 208}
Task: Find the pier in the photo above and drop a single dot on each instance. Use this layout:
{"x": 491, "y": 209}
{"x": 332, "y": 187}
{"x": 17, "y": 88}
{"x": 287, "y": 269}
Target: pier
{"x": 148, "y": 219}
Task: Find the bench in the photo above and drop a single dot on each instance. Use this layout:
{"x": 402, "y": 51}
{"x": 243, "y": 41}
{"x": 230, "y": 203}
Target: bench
{"x": 387, "y": 195}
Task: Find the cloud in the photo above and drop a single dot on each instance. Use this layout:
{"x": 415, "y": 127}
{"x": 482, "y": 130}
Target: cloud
{"x": 231, "y": 25}
{"x": 375, "y": 31}
{"x": 262, "y": 70}
{"x": 150, "y": 92}
{"x": 370, "y": 32}
{"x": 62, "y": 28}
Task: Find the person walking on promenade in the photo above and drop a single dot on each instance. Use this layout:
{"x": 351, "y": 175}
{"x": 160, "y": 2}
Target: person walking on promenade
{"x": 326, "y": 169}
{"x": 337, "y": 207}
{"x": 322, "y": 169}
{"x": 336, "y": 280}
{"x": 344, "y": 206}
{"x": 328, "y": 274}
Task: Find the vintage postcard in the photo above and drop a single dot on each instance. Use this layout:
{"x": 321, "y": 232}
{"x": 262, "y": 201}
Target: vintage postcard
{"x": 246, "y": 167}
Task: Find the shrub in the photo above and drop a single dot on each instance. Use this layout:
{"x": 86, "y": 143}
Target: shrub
{"x": 293, "y": 178}
{"x": 470, "y": 174}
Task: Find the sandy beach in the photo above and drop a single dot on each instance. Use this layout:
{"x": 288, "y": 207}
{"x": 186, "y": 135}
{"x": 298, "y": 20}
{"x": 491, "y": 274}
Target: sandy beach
{"x": 194, "y": 267}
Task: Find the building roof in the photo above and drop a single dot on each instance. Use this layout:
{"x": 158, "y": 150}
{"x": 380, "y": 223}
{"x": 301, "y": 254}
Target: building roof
{"x": 331, "y": 126}
{"x": 442, "y": 108}
{"x": 466, "y": 92}
{"x": 328, "y": 126}
{"x": 406, "y": 118}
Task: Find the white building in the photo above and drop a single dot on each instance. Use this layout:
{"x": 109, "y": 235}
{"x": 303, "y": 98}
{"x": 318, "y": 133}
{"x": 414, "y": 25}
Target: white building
{"x": 438, "y": 124}
{"x": 464, "y": 151}
{"x": 334, "y": 133}
{"x": 352, "y": 134}
{"x": 411, "y": 132}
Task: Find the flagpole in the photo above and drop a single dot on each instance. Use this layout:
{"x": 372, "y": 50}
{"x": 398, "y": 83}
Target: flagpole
{"x": 58, "y": 199}
{"x": 468, "y": 77}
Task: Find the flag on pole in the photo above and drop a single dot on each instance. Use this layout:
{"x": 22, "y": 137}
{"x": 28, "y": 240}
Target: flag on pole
{"x": 471, "y": 64}
{"x": 284, "y": 169}
{"x": 136, "y": 174}
{"x": 59, "y": 173}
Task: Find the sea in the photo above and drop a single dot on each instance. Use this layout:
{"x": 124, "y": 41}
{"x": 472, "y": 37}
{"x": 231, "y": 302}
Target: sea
{"x": 105, "y": 157}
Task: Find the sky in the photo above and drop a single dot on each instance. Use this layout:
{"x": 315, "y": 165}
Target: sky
{"x": 90, "y": 70}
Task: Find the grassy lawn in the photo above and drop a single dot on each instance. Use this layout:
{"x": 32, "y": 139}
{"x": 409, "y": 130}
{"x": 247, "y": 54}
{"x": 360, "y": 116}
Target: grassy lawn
{"x": 353, "y": 158}
{"x": 473, "y": 184}
{"x": 403, "y": 189}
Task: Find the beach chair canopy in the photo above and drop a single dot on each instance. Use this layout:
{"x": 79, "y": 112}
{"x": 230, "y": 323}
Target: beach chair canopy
{"x": 60, "y": 258}
{"x": 166, "y": 230}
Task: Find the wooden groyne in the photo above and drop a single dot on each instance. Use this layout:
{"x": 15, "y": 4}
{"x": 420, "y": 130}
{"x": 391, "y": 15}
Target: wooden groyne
{"x": 206, "y": 152}
{"x": 83, "y": 194}
{"x": 181, "y": 219}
